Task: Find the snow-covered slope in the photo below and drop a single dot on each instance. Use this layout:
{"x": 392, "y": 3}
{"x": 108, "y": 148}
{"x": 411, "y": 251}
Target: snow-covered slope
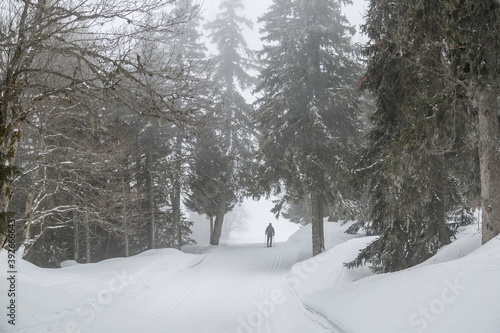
{"x": 334, "y": 235}
{"x": 327, "y": 269}
{"x": 75, "y": 297}
{"x": 457, "y": 291}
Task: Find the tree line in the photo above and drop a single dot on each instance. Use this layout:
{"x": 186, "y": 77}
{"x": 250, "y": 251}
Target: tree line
{"x": 114, "y": 116}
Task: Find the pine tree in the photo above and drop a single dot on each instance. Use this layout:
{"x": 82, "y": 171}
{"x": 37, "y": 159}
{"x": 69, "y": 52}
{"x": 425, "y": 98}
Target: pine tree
{"x": 232, "y": 136}
{"x": 208, "y": 179}
{"x": 419, "y": 125}
{"x": 308, "y": 114}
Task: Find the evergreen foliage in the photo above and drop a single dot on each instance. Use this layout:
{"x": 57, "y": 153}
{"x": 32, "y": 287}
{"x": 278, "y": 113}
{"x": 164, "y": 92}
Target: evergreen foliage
{"x": 225, "y": 148}
{"x": 419, "y": 153}
{"x": 307, "y": 116}
{"x": 209, "y": 177}
{"x": 472, "y": 33}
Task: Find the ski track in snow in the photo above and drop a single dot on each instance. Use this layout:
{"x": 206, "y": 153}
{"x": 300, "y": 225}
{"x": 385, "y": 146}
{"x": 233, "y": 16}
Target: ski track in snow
{"x": 269, "y": 326}
{"x": 231, "y": 292}
{"x": 228, "y": 289}
{"x": 185, "y": 291}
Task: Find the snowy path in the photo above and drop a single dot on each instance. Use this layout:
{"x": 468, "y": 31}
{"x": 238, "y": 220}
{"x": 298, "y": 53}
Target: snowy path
{"x": 235, "y": 289}
{"x": 230, "y": 289}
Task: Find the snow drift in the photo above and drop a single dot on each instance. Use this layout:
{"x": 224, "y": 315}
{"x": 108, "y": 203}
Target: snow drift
{"x": 455, "y": 291}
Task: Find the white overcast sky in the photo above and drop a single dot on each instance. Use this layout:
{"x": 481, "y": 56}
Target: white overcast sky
{"x": 256, "y": 8}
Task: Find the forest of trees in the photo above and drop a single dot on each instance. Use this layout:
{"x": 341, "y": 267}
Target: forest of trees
{"x": 115, "y": 117}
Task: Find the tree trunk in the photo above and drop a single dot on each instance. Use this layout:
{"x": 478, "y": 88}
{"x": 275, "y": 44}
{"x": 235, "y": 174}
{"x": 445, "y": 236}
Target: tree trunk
{"x": 76, "y": 243}
{"x": 308, "y": 205}
{"x": 87, "y": 241}
{"x": 175, "y": 197}
{"x": 489, "y": 159}
{"x": 125, "y": 217}
{"x": 318, "y": 238}
{"x": 152, "y": 229}
{"x": 150, "y": 195}
{"x": 176, "y": 191}
{"x": 322, "y": 229}
{"x": 7, "y": 155}
{"x": 28, "y": 217}
{"x": 219, "y": 220}
{"x": 332, "y": 213}
{"x": 10, "y": 118}
{"x": 211, "y": 225}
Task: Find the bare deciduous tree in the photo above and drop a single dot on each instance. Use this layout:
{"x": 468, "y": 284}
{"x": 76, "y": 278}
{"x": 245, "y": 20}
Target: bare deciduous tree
{"x": 86, "y": 52}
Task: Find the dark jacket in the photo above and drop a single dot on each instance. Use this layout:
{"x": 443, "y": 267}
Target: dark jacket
{"x": 270, "y": 231}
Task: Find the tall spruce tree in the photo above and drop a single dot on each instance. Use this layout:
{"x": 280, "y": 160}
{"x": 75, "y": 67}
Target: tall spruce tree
{"x": 208, "y": 179}
{"x": 472, "y": 30}
{"x": 232, "y": 135}
{"x": 308, "y": 113}
{"x": 419, "y": 125}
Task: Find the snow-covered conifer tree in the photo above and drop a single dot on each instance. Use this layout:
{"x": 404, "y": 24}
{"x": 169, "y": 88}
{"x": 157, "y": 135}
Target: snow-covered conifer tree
{"x": 418, "y": 155}
{"x": 232, "y": 132}
{"x": 308, "y": 113}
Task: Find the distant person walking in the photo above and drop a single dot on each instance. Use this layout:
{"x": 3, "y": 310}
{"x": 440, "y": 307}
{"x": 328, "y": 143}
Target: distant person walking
{"x": 270, "y": 235}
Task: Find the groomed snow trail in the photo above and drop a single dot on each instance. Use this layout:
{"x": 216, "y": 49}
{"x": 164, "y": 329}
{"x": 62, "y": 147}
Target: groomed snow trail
{"x": 235, "y": 289}
{"x": 242, "y": 288}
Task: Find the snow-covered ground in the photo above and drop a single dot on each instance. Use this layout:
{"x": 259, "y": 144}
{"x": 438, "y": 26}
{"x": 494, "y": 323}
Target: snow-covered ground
{"x": 457, "y": 290}
{"x": 245, "y": 288}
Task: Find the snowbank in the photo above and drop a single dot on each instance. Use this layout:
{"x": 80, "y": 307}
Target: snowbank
{"x": 327, "y": 270}
{"x": 68, "y": 263}
{"x": 468, "y": 239}
{"x": 46, "y": 298}
{"x": 457, "y": 290}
